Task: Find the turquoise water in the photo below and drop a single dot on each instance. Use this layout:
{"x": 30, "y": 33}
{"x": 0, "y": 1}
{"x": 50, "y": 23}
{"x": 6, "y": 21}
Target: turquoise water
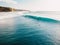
{"x": 29, "y": 30}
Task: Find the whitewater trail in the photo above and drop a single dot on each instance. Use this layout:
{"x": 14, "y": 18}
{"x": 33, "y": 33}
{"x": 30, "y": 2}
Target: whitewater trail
{"x": 4, "y": 15}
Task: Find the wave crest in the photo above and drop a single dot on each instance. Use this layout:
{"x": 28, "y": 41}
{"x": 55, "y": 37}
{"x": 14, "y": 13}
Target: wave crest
{"x": 41, "y": 18}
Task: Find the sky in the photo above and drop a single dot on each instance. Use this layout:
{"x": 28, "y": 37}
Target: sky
{"x": 34, "y": 5}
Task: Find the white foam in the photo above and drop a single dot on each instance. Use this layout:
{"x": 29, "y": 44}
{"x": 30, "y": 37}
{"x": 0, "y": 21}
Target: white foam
{"x": 4, "y": 15}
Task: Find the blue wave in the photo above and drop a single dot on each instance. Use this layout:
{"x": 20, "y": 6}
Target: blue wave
{"x": 41, "y": 18}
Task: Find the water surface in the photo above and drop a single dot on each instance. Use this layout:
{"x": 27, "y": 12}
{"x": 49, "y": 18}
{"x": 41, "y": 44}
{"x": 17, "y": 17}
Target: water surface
{"x": 29, "y": 30}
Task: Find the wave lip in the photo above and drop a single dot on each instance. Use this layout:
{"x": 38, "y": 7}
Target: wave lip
{"x": 41, "y": 18}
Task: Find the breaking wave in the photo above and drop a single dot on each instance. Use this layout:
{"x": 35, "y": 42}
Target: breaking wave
{"x": 41, "y": 18}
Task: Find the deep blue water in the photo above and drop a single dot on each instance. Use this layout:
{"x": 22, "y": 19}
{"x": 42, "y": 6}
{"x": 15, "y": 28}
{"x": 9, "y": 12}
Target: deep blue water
{"x": 29, "y": 30}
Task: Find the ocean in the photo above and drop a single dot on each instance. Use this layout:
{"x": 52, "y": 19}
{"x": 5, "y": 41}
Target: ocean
{"x": 27, "y": 29}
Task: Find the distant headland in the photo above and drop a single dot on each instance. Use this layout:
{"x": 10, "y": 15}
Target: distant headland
{"x": 9, "y": 9}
